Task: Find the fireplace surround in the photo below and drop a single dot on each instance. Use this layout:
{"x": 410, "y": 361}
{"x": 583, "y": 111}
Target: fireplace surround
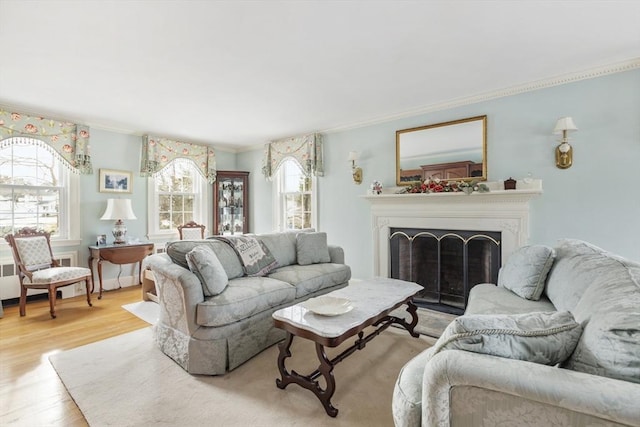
{"x": 499, "y": 211}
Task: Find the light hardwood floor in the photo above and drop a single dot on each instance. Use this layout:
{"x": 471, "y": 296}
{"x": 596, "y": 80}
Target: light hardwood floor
{"x": 31, "y": 394}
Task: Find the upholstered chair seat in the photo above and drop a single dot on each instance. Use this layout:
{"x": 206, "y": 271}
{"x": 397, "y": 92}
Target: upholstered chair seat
{"x": 58, "y": 274}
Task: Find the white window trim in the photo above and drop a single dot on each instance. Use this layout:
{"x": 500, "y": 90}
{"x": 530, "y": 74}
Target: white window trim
{"x": 278, "y": 202}
{"x": 200, "y": 211}
{"x": 72, "y": 201}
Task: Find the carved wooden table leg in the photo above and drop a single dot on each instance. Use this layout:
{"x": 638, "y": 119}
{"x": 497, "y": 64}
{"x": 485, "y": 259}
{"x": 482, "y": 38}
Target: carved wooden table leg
{"x": 326, "y": 369}
{"x": 309, "y": 382}
{"x": 100, "y": 277}
{"x": 412, "y": 309}
{"x": 284, "y": 353}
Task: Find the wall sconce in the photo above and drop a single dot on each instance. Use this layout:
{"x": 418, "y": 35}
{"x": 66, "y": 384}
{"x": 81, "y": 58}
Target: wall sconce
{"x": 564, "y": 151}
{"x": 119, "y": 209}
{"x": 355, "y": 170}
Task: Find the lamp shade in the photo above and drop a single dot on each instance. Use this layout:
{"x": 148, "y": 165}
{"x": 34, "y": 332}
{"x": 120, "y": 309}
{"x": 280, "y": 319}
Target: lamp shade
{"x": 353, "y": 156}
{"x": 564, "y": 123}
{"x": 118, "y": 209}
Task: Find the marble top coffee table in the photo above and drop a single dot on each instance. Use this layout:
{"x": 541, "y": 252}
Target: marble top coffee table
{"x": 347, "y": 312}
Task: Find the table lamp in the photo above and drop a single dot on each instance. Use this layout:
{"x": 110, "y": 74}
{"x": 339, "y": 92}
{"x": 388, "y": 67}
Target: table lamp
{"x": 119, "y": 209}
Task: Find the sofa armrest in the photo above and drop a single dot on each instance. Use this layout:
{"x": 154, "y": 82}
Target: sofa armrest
{"x": 179, "y": 292}
{"x": 336, "y": 254}
{"x": 601, "y": 397}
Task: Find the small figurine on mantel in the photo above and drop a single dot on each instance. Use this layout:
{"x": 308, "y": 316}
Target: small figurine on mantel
{"x": 376, "y": 187}
{"x": 510, "y": 184}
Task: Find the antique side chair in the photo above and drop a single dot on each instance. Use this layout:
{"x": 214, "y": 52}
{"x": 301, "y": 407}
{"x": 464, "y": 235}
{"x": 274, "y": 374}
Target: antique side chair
{"x": 191, "y": 231}
{"x": 38, "y": 269}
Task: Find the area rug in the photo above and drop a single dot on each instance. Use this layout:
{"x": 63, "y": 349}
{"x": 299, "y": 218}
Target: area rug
{"x": 148, "y": 311}
{"x": 127, "y": 381}
{"x": 432, "y": 323}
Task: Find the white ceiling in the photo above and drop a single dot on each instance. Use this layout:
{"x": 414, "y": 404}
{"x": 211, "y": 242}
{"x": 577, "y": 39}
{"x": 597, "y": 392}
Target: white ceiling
{"x": 239, "y": 73}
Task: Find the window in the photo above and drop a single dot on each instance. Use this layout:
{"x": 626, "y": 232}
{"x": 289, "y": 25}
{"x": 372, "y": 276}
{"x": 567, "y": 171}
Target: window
{"x": 178, "y": 195}
{"x": 36, "y": 189}
{"x": 294, "y": 198}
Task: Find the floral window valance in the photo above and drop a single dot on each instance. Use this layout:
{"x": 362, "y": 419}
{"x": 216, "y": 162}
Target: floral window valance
{"x": 69, "y": 140}
{"x": 306, "y": 150}
{"x": 158, "y": 152}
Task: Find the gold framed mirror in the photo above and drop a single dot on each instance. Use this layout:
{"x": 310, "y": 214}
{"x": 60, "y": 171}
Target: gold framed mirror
{"x": 455, "y": 150}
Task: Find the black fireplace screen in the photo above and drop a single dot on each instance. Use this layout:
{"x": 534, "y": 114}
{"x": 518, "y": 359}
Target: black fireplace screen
{"x": 447, "y": 263}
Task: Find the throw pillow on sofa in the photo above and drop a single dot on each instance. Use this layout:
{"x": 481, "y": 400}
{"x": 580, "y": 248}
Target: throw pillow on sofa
{"x": 610, "y": 343}
{"x": 545, "y": 338}
{"x": 204, "y": 263}
{"x": 312, "y": 248}
{"x": 255, "y": 256}
{"x": 525, "y": 272}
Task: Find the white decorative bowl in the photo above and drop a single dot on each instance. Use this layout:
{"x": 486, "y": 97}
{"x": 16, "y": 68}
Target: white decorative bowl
{"x": 327, "y": 305}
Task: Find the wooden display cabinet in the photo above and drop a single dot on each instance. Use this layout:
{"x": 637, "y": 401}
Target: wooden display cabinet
{"x": 231, "y": 203}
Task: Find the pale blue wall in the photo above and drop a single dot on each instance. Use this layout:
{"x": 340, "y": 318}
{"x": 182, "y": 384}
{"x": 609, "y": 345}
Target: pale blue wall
{"x": 261, "y": 214}
{"x": 594, "y": 200}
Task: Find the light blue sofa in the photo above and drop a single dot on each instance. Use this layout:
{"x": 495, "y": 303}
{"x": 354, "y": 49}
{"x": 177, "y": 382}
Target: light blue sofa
{"x": 599, "y": 383}
{"x": 215, "y": 334}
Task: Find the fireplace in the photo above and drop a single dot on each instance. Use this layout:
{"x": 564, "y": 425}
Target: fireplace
{"x": 504, "y": 212}
{"x": 447, "y": 263}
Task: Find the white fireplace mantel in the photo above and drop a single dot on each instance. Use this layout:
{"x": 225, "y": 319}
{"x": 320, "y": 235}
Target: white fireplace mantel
{"x": 505, "y": 211}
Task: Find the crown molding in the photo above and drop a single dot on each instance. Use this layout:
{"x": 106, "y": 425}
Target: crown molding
{"x": 562, "y": 79}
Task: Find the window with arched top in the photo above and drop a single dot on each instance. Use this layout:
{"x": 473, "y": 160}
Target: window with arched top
{"x": 177, "y": 195}
{"x": 36, "y": 189}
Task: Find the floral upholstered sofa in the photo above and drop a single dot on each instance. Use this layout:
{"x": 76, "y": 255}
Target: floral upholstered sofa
{"x": 217, "y": 295}
{"x": 557, "y": 342}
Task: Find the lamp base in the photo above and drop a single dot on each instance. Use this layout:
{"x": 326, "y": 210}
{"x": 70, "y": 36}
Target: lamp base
{"x": 119, "y": 232}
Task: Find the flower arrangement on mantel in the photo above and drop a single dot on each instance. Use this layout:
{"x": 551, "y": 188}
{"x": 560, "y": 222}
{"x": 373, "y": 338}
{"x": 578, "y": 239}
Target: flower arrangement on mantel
{"x": 442, "y": 186}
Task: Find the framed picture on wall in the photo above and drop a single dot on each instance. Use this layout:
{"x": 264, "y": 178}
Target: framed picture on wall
{"x": 114, "y": 181}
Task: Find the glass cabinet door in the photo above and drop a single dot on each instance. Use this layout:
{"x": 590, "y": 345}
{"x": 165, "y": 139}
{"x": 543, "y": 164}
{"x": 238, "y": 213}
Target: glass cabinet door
{"x": 230, "y": 203}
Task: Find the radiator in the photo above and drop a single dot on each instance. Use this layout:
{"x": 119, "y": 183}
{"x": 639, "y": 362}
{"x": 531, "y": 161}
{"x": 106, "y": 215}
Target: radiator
{"x": 10, "y": 285}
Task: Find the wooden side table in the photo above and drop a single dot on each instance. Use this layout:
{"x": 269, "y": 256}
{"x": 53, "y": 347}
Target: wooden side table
{"x": 119, "y": 254}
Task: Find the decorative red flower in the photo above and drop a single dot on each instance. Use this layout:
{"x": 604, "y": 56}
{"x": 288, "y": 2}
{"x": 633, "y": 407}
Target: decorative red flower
{"x": 15, "y": 116}
{"x": 29, "y": 128}
{"x": 84, "y": 134}
{"x": 185, "y": 151}
{"x": 67, "y": 148}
